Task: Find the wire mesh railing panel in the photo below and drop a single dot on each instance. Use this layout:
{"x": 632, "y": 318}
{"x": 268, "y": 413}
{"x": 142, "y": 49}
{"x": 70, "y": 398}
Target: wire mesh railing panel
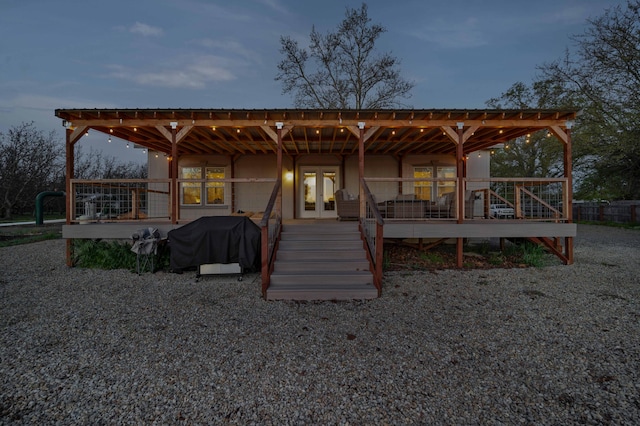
{"x": 521, "y": 198}
{"x": 113, "y": 200}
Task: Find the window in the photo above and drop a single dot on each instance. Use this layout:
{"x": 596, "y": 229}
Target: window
{"x": 211, "y": 184}
{"x": 422, "y": 189}
{"x": 447, "y": 186}
{"x": 429, "y": 189}
{"x": 215, "y": 190}
{"x": 191, "y": 191}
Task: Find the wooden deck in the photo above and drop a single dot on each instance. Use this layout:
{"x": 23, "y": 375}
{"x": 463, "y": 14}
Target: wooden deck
{"x": 479, "y": 228}
{"x": 327, "y": 260}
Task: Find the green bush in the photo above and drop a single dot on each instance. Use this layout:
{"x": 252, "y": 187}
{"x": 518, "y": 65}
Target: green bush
{"x": 113, "y": 255}
{"x": 104, "y": 255}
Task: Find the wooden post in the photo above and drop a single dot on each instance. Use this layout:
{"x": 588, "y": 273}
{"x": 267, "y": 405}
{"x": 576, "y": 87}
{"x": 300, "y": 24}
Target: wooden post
{"x": 460, "y": 187}
{"x": 361, "y": 169}
{"x": 279, "y": 127}
{"x": 379, "y": 256}
{"x": 568, "y": 167}
{"x": 71, "y": 199}
{"x": 633, "y": 213}
{"x": 400, "y": 191}
{"x": 175, "y": 191}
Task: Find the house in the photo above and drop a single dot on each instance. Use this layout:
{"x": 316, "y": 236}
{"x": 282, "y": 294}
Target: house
{"x": 421, "y": 174}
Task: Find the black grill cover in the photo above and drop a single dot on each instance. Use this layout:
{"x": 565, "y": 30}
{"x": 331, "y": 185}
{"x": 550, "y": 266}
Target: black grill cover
{"x": 215, "y": 239}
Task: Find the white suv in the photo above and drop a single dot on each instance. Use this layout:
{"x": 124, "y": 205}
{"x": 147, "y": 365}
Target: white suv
{"x": 501, "y": 211}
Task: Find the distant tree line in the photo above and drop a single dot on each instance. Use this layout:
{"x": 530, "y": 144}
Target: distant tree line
{"x": 32, "y": 161}
{"x": 601, "y": 79}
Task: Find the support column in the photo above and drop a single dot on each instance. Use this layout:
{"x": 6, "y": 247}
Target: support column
{"x": 70, "y": 171}
{"x": 568, "y": 172}
{"x": 279, "y": 126}
{"x": 175, "y": 191}
{"x": 361, "y": 167}
{"x": 460, "y": 185}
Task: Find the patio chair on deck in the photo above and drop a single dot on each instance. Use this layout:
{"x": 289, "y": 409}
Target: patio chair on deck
{"x": 348, "y": 207}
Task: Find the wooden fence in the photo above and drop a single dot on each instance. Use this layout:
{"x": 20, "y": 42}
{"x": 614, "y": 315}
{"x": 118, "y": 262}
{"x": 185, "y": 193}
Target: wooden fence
{"x": 616, "y": 211}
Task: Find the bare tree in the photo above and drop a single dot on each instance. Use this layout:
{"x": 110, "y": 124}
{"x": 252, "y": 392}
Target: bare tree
{"x": 95, "y": 165}
{"x": 342, "y": 69}
{"x": 29, "y": 163}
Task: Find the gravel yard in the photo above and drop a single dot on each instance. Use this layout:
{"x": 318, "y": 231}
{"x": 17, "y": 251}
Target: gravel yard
{"x": 553, "y": 345}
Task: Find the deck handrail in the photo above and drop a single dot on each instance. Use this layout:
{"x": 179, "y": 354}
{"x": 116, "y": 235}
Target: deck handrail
{"x": 373, "y": 239}
{"x": 270, "y": 230}
{"x": 547, "y": 196}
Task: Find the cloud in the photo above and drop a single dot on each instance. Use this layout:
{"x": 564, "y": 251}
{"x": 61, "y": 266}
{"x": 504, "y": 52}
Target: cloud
{"x": 275, "y": 5}
{"x": 49, "y": 103}
{"x": 442, "y": 34}
{"x": 228, "y": 45}
{"x": 145, "y": 30}
{"x": 194, "y": 75}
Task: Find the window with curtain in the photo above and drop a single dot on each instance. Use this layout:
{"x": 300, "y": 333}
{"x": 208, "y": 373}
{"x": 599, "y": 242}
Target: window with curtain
{"x": 211, "y": 184}
{"x": 191, "y": 191}
{"x": 431, "y": 190}
{"x": 448, "y": 186}
{"x": 422, "y": 189}
{"x": 215, "y": 189}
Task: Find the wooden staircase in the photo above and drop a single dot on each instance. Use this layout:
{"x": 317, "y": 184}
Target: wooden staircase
{"x": 321, "y": 260}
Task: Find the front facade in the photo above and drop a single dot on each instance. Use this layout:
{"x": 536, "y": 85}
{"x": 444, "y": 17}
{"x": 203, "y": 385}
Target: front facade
{"x": 420, "y": 173}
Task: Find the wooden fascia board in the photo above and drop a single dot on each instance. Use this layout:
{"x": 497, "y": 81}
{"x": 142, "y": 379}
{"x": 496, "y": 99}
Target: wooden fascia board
{"x": 352, "y": 125}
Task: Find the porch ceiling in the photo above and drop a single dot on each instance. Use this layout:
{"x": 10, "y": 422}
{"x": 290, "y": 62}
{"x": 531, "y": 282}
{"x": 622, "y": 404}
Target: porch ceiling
{"x": 241, "y": 131}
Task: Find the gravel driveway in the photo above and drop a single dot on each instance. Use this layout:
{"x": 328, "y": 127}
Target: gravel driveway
{"x": 553, "y": 345}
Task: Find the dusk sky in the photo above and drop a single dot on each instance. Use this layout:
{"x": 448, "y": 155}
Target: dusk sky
{"x": 223, "y": 54}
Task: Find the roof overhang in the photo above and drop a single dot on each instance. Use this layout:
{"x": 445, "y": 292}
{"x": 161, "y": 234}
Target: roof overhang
{"x": 253, "y": 131}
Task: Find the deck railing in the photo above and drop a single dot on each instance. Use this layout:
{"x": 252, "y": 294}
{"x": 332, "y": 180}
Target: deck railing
{"x": 372, "y": 225}
{"x": 271, "y": 225}
{"x": 112, "y": 200}
{"x": 533, "y": 199}
{"x": 109, "y": 200}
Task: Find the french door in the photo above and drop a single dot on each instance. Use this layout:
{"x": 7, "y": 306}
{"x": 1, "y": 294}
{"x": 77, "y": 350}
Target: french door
{"x": 318, "y": 184}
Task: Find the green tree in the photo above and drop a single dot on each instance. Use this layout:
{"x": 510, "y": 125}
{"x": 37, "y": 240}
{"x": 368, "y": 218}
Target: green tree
{"x": 603, "y": 75}
{"x": 342, "y": 69}
{"x": 29, "y": 163}
{"x": 536, "y": 154}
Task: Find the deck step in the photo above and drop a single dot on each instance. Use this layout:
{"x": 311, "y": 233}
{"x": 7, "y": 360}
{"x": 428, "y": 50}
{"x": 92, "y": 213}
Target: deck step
{"x": 331, "y": 236}
{"x": 321, "y": 262}
{"x": 318, "y": 265}
{"x": 322, "y": 245}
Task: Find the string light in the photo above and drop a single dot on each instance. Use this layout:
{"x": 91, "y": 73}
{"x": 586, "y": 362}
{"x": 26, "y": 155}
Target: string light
{"x": 127, "y": 144}
{"x": 109, "y": 139}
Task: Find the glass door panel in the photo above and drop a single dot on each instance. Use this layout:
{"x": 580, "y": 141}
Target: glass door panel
{"x": 318, "y": 186}
{"x": 309, "y": 188}
{"x": 329, "y": 189}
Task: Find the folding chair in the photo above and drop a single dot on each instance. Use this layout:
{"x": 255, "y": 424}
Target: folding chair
{"x": 145, "y": 246}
